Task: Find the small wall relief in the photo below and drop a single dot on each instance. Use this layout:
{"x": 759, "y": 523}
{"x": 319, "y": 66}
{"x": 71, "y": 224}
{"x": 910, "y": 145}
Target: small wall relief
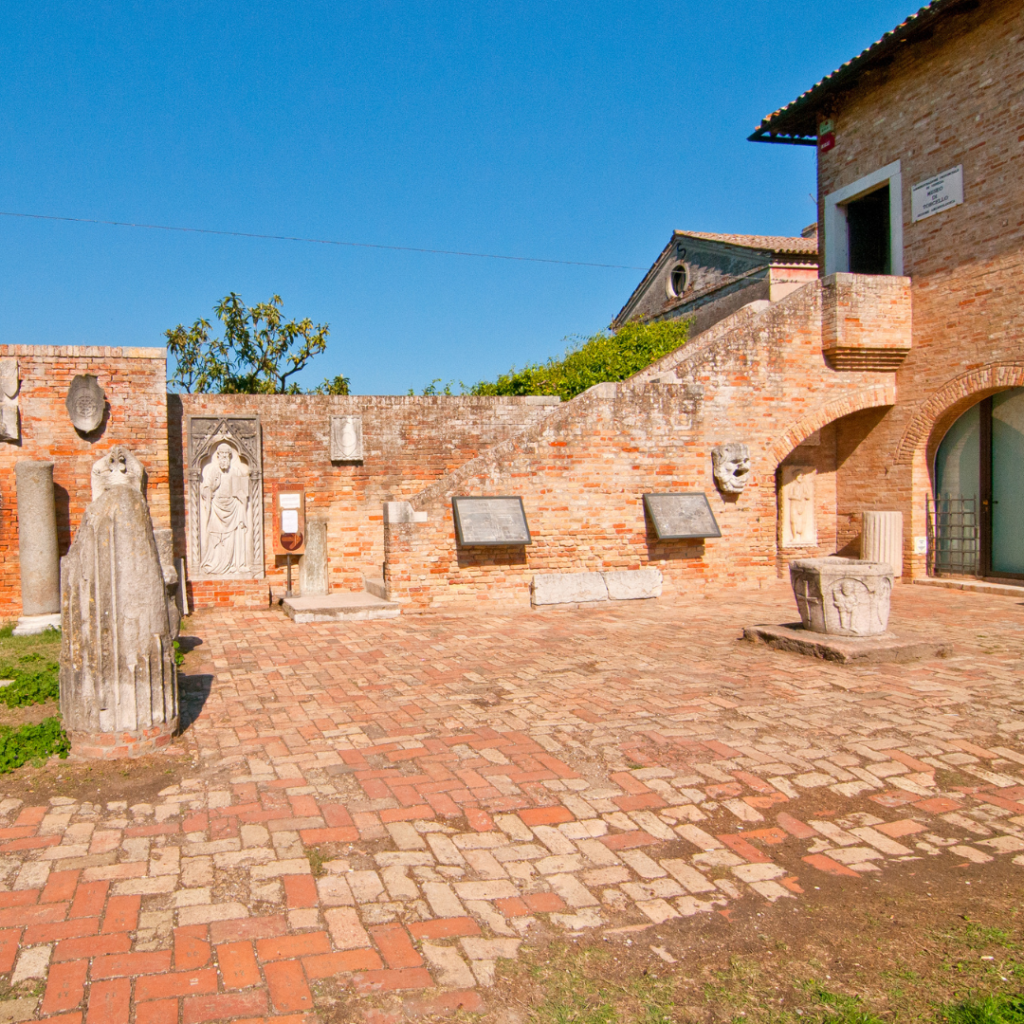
{"x": 10, "y": 428}
{"x": 346, "y": 439}
{"x": 796, "y": 507}
{"x": 225, "y": 485}
{"x": 85, "y": 403}
{"x": 731, "y": 465}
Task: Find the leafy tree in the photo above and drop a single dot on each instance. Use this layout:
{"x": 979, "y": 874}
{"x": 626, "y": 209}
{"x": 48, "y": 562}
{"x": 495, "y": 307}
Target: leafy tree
{"x": 590, "y": 361}
{"x": 257, "y": 355}
{"x": 332, "y": 386}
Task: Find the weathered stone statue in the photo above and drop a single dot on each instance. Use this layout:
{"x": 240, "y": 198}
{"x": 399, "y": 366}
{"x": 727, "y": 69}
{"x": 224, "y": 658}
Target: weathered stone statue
{"x": 119, "y": 467}
{"x": 85, "y": 403}
{"x": 731, "y": 465}
{"x": 842, "y": 596}
{"x": 118, "y": 682}
{"x": 37, "y": 548}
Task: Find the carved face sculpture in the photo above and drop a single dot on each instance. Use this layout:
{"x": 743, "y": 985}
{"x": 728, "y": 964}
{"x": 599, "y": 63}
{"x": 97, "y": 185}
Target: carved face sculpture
{"x": 224, "y": 454}
{"x": 85, "y": 403}
{"x": 731, "y": 463}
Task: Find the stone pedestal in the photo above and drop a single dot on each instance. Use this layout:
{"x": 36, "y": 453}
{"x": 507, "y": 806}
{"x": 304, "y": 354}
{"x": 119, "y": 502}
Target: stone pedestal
{"x": 881, "y": 539}
{"x": 37, "y": 548}
{"x": 118, "y": 682}
{"x": 313, "y": 564}
{"x": 842, "y": 596}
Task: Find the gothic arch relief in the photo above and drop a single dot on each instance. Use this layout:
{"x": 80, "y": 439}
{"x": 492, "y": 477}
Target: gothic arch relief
{"x": 225, "y": 492}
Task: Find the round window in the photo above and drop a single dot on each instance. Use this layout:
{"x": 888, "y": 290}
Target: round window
{"x": 678, "y": 280}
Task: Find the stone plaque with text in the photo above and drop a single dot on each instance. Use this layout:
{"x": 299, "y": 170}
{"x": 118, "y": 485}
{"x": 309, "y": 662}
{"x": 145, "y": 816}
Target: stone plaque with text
{"x": 488, "y": 522}
{"x": 681, "y": 516}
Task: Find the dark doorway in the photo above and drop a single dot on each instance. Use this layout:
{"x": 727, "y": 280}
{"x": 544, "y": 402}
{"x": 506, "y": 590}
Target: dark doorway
{"x": 867, "y": 221}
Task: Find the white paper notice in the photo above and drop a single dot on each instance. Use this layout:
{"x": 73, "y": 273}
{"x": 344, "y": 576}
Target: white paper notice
{"x": 290, "y": 500}
{"x": 936, "y": 194}
{"x": 289, "y": 521}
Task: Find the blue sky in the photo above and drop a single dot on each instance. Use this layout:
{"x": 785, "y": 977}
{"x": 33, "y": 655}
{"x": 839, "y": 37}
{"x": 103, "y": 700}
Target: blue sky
{"x": 570, "y": 130}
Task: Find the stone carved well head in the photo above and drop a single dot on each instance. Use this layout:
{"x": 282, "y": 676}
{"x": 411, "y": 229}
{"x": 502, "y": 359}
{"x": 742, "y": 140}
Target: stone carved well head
{"x": 731, "y": 463}
{"x": 85, "y": 403}
{"x": 118, "y": 468}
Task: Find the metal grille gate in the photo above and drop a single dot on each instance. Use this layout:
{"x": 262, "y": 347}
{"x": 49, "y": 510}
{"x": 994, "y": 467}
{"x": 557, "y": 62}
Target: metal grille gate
{"x": 954, "y": 547}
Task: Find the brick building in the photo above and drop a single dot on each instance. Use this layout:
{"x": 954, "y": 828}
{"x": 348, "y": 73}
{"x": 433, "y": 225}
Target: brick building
{"x": 703, "y": 277}
{"x": 894, "y": 374}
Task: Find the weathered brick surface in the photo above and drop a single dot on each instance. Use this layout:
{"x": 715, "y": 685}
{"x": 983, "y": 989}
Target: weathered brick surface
{"x": 408, "y": 444}
{"x": 134, "y": 381}
{"x": 760, "y": 378}
{"x": 947, "y": 100}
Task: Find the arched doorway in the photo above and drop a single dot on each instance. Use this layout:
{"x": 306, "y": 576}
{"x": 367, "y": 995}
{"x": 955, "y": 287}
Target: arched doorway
{"x": 978, "y": 520}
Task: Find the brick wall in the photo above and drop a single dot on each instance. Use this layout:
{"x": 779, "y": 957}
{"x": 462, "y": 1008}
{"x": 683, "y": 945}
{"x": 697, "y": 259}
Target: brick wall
{"x": 408, "y": 444}
{"x": 134, "y": 381}
{"x": 760, "y": 378}
{"x": 953, "y": 99}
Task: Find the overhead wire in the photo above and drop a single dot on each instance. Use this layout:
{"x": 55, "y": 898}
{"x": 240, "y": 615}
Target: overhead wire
{"x": 317, "y": 241}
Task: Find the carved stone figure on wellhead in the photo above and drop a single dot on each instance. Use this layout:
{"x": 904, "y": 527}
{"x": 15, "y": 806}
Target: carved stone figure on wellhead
{"x": 118, "y": 682}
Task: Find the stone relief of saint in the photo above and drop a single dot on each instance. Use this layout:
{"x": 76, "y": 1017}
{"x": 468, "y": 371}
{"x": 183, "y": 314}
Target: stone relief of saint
{"x": 225, "y": 531}
{"x": 798, "y": 523}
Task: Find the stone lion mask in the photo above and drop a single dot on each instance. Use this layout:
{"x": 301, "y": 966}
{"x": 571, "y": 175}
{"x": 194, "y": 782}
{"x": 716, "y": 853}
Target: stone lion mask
{"x": 731, "y": 463}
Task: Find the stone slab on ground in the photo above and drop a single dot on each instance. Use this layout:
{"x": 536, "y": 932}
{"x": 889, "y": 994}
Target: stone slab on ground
{"x": 346, "y": 607}
{"x": 868, "y": 650}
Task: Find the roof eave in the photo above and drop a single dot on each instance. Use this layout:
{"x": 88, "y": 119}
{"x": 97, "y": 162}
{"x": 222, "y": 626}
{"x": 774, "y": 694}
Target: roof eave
{"x": 789, "y": 125}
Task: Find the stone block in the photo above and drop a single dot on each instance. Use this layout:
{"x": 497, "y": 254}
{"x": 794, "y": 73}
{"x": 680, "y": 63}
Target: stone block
{"x": 633, "y": 584}
{"x": 569, "y": 588}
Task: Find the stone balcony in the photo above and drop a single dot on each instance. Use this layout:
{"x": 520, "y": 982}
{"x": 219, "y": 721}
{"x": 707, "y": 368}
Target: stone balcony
{"x": 865, "y": 321}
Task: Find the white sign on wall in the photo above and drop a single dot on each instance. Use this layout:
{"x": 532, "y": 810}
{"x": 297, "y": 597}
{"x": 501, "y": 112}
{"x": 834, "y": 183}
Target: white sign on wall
{"x": 936, "y": 194}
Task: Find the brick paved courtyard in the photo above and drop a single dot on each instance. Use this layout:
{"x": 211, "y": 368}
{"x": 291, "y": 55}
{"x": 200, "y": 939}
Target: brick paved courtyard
{"x": 400, "y": 805}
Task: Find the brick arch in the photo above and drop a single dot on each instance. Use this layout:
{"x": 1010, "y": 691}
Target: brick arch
{"x": 850, "y": 402}
{"x": 951, "y": 400}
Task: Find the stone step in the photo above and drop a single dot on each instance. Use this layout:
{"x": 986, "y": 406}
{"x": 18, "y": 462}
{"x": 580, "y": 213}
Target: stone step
{"x": 1007, "y": 589}
{"x": 347, "y": 607}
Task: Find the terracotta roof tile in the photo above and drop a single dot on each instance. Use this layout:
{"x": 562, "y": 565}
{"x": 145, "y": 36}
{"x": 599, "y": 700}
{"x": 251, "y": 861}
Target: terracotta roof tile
{"x": 772, "y": 243}
{"x": 796, "y": 119}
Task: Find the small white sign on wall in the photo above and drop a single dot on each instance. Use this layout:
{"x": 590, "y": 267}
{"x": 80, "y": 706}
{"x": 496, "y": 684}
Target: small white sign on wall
{"x": 934, "y": 195}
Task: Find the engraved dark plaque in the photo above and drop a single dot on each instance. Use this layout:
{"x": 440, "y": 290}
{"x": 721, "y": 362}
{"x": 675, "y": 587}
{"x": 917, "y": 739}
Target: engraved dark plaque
{"x": 681, "y": 516}
{"x": 490, "y": 522}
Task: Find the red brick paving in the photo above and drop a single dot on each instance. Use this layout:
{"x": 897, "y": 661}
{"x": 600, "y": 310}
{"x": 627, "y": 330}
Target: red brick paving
{"x": 461, "y": 776}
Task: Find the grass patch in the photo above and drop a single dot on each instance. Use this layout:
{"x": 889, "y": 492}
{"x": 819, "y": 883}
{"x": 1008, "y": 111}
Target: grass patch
{"x": 35, "y": 681}
{"x": 316, "y": 862}
{"x": 32, "y": 743}
{"x": 992, "y": 1009}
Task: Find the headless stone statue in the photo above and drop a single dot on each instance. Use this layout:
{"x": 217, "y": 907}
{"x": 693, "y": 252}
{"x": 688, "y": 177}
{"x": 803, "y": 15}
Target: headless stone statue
{"x": 118, "y": 683}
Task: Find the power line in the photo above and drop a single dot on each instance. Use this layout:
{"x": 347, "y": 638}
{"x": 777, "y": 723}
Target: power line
{"x": 317, "y": 241}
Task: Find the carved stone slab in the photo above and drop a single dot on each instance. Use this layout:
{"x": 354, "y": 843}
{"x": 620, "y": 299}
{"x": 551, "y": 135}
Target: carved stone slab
{"x": 681, "y": 516}
{"x": 489, "y": 522}
{"x": 9, "y": 384}
{"x": 225, "y": 497}
{"x": 346, "y": 439}
{"x": 842, "y": 596}
{"x": 796, "y": 507}
{"x": 85, "y": 403}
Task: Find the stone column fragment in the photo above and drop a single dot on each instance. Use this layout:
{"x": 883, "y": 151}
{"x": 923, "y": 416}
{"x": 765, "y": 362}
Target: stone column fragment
{"x": 118, "y": 681}
{"x": 37, "y": 548}
{"x": 313, "y": 565}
